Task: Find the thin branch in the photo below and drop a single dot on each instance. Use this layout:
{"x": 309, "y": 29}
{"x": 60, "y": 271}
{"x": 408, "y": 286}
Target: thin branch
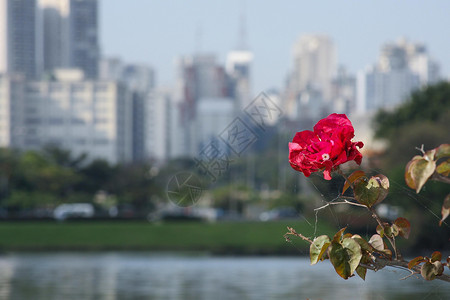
{"x": 294, "y": 233}
{"x": 410, "y": 275}
{"x": 421, "y": 149}
{"x": 380, "y": 263}
{"x": 438, "y": 177}
{"x": 391, "y": 240}
{"x": 342, "y": 202}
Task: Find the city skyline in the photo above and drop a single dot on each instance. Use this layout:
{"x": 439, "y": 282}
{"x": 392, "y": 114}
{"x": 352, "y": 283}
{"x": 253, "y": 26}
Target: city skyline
{"x": 161, "y": 32}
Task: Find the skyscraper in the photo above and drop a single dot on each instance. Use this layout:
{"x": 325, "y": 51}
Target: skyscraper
{"x": 84, "y": 116}
{"x": 238, "y": 70}
{"x": 402, "y": 67}
{"x": 70, "y": 33}
{"x": 314, "y": 63}
{"x": 20, "y": 37}
{"x": 309, "y": 84}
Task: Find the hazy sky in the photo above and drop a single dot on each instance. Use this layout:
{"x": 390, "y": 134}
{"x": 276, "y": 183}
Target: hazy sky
{"x": 155, "y": 32}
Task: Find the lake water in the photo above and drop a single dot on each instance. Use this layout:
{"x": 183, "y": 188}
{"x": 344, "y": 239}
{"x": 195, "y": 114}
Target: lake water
{"x": 128, "y": 275}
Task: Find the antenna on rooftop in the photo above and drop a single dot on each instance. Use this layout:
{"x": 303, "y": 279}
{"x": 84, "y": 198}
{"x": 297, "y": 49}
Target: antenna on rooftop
{"x": 242, "y": 41}
{"x": 198, "y": 38}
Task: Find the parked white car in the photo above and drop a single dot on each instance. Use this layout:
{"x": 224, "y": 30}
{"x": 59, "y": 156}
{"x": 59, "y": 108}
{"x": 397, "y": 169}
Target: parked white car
{"x": 73, "y": 210}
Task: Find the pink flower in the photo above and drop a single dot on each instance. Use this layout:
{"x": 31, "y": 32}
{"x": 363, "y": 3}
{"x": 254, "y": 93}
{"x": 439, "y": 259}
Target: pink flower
{"x": 326, "y": 148}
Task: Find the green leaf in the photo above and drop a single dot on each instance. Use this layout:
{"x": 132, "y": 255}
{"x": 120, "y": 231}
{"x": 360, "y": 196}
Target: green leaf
{"x": 429, "y": 270}
{"x": 415, "y": 261}
{"x": 353, "y": 250}
{"x": 361, "y": 271}
{"x": 445, "y": 211}
{"x": 444, "y": 168}
{"x": 362, "y": 243}
{"x": 355, "y": 175}
{"x": 392, "y": 230}
{"x": 436, "y": 256}
{"x": 403, "y": 226}
{"x": 318, "y": 248}
{"x": 418, "y": 171}
{"x": 371, "y": 191}
{"x": 442, "y": 151}
{"x": 345, "y": 257}
{"x": 380, "y": 230}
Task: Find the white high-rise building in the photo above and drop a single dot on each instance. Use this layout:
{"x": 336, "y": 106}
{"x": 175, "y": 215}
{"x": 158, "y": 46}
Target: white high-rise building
{"x": 377, "y": 89}
{"x": 84, "y": 116}
{"x": 314, "y": 64}
{"x": 158, "y": 119}
{"x": 310, "y": 80}
{"x": 70, "y": 35}
{"x": 214, "y": 115}
{"x": 12, "y": 95}
{"x": 199, "y": 76}
{"x": 402, "y": 67}
{"x": 20, "y": 37}
{"x": 140, "y": 80}
{"x": 238, "y": 69}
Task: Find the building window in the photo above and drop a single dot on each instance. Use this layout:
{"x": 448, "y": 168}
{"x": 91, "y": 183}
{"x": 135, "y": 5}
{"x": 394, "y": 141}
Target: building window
{"x": 101, "y": 141}
{"x": 56, "y": 121}
{"x": 32, "y": 121}
{"x": 56, "y": 88}
{"x": 78, "y": 121}
{"x": 78, "y": 88}
{"x": 101, "y": 88}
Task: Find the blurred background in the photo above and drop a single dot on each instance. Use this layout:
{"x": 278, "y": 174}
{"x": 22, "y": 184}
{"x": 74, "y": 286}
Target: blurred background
{"x": 144, "y": 144}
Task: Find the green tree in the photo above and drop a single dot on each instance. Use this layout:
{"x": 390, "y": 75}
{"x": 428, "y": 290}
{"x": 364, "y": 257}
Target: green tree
{"x": 422, "y": 120}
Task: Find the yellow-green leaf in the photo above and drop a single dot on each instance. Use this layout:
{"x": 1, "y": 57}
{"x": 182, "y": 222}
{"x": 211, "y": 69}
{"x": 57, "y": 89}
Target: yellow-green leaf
{"x": 362, "y": 243}
{"x": 371, "y": 191}
{"x": 361, "y": 271}
{"x": 318, "y": 248}
{"x": 442, "y": 151}
{"x": 418, "y": 171}
{"x": 353, "y": 250}
{"x": 345, "y": 257}
{"x": 444, "y": 168}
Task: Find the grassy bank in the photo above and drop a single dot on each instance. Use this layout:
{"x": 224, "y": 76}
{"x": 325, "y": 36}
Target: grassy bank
{"x": 221, "y": 238}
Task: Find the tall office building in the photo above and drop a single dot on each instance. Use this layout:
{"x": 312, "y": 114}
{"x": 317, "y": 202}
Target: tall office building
{"x": 309, "y": 84}
{"x": 402, "y": 67}
{"x": 84, "y": 116}
{"x": 199, "y": 76}
{"x": 20, "y": 37}
{"x": 344, "y": 92}
{"x": 70, "y": 35}
{"x": 158, "y": 111}
{"x": 238, "y": 70}
{"x": 140, "y": 80}
{"x": 314, "y": 63}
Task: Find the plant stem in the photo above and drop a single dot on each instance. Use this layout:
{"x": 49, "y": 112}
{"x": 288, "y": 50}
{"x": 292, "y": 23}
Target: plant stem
{"x": 291, "y": 231}
{"x": 380, "y": 263}
{"x": 438, "y": 177}
{"x": 391, "y": 240}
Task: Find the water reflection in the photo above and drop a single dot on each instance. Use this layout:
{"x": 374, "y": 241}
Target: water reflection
{"x": 112, "y": 276}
